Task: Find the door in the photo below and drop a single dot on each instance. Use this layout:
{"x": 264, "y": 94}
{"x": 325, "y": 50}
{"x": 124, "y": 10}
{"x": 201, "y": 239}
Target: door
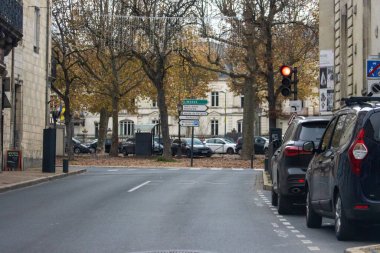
{"x": 319, "y": 162}
{"x": 220, "y": 146}
{"x": 211, "y": 144}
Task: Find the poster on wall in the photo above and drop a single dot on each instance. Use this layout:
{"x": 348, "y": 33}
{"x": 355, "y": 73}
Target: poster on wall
{"x": 326, "y": 80}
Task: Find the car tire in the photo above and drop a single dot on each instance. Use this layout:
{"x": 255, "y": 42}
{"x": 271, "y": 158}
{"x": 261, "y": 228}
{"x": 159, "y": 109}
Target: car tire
{"x": 77, "y": 151}
{"x": 274, "y": 198}
{"x": 313, "y": 220}
{"x": 230, "y": 151}
{"x": 283, "y": 204}
{"x": 344, "y": 229}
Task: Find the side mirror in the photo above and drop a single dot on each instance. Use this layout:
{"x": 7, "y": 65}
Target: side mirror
{"x": 309, "y": 146}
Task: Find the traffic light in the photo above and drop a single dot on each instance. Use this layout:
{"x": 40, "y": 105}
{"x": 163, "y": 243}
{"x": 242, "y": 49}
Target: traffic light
{"x": 286, "y": 83}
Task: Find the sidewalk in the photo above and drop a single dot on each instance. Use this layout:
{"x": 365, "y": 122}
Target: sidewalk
{"x": 10, "y": 180}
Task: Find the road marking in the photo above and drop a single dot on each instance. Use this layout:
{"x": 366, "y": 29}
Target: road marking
{"x": 306, "y": 241}
{"x": 279, "y": 216}
{"x": 173, "y": 169}
{"x": 113, "y": 170}
{"x": 283, "y": 219}
{"x": 131, "y": 169}
{"x": 313, "y": 248}
{"x": 300, "y": 236}
{"x": 216, "y": 168}
{"x": 290, "y": 227}
{"x": 286, "y": 223}
{"x": 273, "y": 209}
{"x": 258, "y": 169}
{"x": 295, "y": 231}
{"x": 195, "y": 168}
{"x": 139, "y": 186}
{"x": 275, "y": 225}
{"x": 238, "y": 169}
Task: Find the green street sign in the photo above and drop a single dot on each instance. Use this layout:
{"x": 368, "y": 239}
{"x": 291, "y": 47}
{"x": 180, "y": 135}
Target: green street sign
{"x": 194, "y": 102}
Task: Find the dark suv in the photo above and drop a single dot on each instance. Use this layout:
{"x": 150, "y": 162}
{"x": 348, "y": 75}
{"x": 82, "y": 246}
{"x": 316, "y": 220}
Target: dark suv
{"x": 343, "y": 178}
{"x": 290, "y": 161}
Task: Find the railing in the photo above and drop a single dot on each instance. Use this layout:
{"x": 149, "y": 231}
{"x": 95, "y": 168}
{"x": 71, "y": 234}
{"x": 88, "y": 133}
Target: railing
{"x": 11, "y": 13}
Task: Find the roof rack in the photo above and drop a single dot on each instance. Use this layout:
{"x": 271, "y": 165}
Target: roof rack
{"x": 359, "y": 100}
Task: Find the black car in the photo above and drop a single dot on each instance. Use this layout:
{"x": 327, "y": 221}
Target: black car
{"x": 80, "y": 148}
{"x": 261, "y": 144}
{"x": 128, "y": 147}
{"x": 289, "y": 162}
{"x": 107, "y": 145}
{"x": 199, "y": 148}
{"x": 343, "y": 178}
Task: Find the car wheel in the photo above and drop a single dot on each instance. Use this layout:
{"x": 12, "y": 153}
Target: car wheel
{"x": 274, "y": 198}
{"x": 188, "y": 153}
{"x": 343, "y": 228}
{"x": 230, "y": 151}
{"x": 77, "y": 151}
{"x": 313, "y": 220}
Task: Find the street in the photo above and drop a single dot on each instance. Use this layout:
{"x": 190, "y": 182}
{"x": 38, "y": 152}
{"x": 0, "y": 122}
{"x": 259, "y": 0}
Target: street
{"x": 140, "y": 210}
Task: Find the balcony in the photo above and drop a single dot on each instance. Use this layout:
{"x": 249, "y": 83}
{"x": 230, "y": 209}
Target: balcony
{"x": 11, "y": 23}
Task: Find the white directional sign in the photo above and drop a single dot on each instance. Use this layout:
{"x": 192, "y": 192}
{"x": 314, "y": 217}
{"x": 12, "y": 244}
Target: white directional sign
{"x": 186, "y": 113}
{"x": 194, "y": 108}
{"x": 188, "y": 117}
{"x": 189, "y": 123}
{"x": 295, "y": 105}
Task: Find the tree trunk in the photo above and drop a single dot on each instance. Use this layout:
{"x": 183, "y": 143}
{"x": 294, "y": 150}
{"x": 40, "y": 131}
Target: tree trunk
{"x": 164, "y": 119}
{"x": 248, "y": 119}
{"x": 103, "y": 126}
{"x": 114, "y": 152}
{"x": 270, "y": 76}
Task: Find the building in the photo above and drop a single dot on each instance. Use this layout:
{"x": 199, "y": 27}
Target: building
{"x": 349, "y": 40}
{"x": 28, "y": 67}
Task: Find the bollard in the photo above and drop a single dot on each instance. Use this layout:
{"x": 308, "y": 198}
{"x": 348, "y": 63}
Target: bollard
{"x": 252, "y": 161}
{"x": 65, "y": 166}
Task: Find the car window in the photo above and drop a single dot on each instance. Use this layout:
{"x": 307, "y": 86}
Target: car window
{"x": 210, "y": 141}
{"x": 327, "y": 135}
{"x": 217, "y": 141}
{"x": 289, "y": 132}
{"x": 372, "y": 127}
{"x": 312, "y": 131}
{"x": 348, "y": 129}
{"x": 335, "y": 142}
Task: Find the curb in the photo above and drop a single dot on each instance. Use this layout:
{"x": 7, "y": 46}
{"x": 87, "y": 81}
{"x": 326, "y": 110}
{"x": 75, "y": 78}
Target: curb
{"x": 365, "y": 249}
{"x": 38, "y": 181}
{"x": 267, "y": 186}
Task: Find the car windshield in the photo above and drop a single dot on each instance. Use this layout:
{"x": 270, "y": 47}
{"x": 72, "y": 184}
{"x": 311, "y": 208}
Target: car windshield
{"x": 312, "y": 131}
{"x": 196, "y": 141}
{"x": 228, "y": 141}
{"x": 76, "y": 141}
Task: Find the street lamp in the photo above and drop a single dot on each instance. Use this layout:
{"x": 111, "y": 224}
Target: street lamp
{"x": 225, "y": 112}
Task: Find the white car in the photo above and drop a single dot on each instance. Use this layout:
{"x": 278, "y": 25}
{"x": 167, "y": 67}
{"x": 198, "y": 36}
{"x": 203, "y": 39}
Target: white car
{"x": 221, "y": 145}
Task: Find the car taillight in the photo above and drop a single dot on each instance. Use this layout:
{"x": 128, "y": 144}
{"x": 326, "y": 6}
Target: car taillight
{"x": 294, "y": 151}
{"x": 357, "y": 152}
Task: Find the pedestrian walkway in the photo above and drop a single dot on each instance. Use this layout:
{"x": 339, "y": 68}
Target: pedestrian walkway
{"x": 10, "y": 180}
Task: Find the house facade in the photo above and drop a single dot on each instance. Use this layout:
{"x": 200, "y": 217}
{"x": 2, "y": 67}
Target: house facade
{"x": 349, "y": 44}
{"x": 28, "y": 67}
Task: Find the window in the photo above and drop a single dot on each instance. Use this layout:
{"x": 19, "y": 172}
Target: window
{"x": 289, "y": 132}
{"x": 36, "y": 41}
{"x": 240, "y": 126}
{"x": 327, "y": 136}
{"x": 312, "y": 131}
{"x": 372, "y": 127}
{"x": 218, "y": 141}
{"x": 126, "y": 128}
{"x": 214, "y": 127}
{"x": 242, "y": 101}
{"x": 335, "y": 142}
{"x": 156, "y": 129}
{"x": 214, "y": 98}
{"x": 348, "y": 129}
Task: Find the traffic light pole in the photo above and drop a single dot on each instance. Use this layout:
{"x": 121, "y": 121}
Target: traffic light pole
{"x": 295, "y": 83}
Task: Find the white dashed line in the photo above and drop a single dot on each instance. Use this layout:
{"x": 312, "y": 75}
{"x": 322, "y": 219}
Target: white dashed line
{"x": 306, "y": 241}
{"x": 238, "y": 169}
{"x": 300, "y": 236}
{"x": 283, "y": 219}
{"x": 216, "y": 168}
{"x": 113, "y": 170}
{"x": 290, "y": 227}
{"x": 286, "y": 223}
{"x": 313, "y": 248}
{"x": 139, "y": 186}
{"x": 295, "y": 231}
{"x": 195, "y": 168}
{"x": 275, "y": 225}
{"x": 173, "y": 169}
{"x": 279, "y": 216}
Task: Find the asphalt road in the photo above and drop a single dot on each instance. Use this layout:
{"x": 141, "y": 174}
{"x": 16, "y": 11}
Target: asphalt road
{"x": 139, "y": 210}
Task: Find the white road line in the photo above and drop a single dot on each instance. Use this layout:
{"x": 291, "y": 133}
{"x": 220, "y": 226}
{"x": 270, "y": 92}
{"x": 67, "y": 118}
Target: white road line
{"x": 131, "y": 169}
{"x": 275, "y": 225}
{"x": 283, "y": 219}
{"x": 113, "y": 170}
{"x": 258, "y": 169}
{"x": 286, "y": 223}
{"x": 139, "y": 186}
{"x": 237, "y": 169}
{"x": 306, "y": 241}
{"x": 216, "y": 168}
{"x": 195, "y": 168}
{"x": 290, "y": 227}
{"x": 313, "y": 248}
{"x": 279, "y": 216}
{"x": 273, "y": 209}
{"x": 300, "y": 236}
{"x": 173, "y": 169}
{"x": 295, "y": 231}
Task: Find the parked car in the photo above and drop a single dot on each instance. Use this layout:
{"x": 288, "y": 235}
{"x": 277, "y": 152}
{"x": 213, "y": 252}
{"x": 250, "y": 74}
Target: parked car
{"x": 79, "y": 148}
{"x": 221, "y": 145}
{"x": 343, "y": 178}
{"x": 128, "y": 147}
{"x": 261, "y": 145}
{"x": 289, "y": 162}
{"x": 199, "y": 148}
{"x": 94, "y": 144}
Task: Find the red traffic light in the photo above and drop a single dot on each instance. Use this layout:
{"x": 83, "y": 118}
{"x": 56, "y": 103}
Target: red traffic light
{"x": 286, "y": 71}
